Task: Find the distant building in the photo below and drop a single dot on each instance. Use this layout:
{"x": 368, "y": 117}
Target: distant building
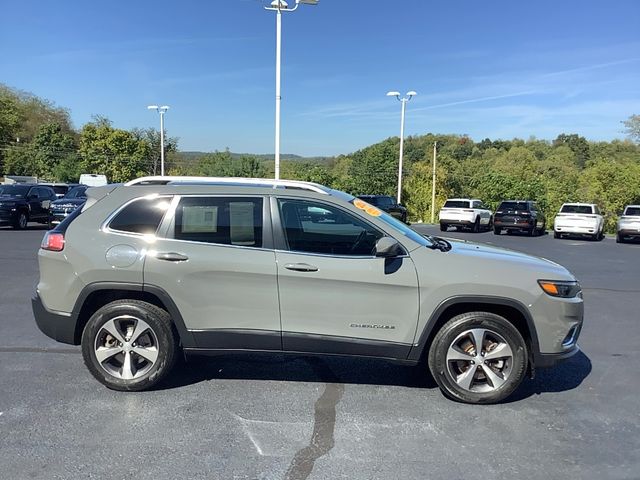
{"x": 11, "y": 179}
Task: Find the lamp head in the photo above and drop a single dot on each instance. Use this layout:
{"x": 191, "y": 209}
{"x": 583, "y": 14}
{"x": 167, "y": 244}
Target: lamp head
{"x": 393, "y": 94}
{"x": 152, "y": 107}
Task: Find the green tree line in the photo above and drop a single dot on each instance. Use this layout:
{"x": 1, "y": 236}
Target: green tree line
{"x": 37, "y": 138}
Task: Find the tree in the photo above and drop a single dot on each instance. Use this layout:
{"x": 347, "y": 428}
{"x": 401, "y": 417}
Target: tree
{"x": 632, "y": 127}
{"x": 116, "y": 153}
{"x": 578, "y": 145}
{"x": 152, "y": 137}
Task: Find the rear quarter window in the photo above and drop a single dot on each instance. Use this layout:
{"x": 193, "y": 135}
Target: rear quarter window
{"x": 142, "y": 216}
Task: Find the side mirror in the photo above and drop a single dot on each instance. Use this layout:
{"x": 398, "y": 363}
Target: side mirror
{"x": 388, "y": 247}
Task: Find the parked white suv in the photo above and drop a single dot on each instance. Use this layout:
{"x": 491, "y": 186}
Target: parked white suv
{"x": 579, "y": 219}
{"x": 628, "y": 224}
{"x": 465, "y": 213}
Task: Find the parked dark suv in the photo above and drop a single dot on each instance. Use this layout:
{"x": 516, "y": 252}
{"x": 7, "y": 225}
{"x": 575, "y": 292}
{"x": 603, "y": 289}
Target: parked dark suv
{"x": 519, "y": 215}
{"x": 73, "y": 199}
{"x": 388, "y": 204}
{"x": 24, "y": 203}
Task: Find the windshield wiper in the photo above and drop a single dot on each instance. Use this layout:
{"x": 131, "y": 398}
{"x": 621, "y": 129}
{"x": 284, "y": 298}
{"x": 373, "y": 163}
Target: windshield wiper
{"x": 438, "y": 243}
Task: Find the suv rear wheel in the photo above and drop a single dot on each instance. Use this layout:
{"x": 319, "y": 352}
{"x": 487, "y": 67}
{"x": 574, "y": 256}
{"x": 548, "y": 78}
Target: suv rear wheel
{"x": 478, "y": 357}
{"x": 129, "y": 345}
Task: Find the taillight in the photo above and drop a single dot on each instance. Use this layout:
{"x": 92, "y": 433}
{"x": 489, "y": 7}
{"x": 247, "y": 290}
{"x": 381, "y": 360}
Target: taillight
{"x": 53, "y": 241}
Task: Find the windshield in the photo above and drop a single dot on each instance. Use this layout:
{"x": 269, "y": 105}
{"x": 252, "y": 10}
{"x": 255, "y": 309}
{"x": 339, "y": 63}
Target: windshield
{"x": 522, "y": 206}
{"x": 386, "y": 218}
{"x": 77, "y": 192}
{"x": 632, "y": 211}
{"x": 14, "y": 190}
{"x": 576, "y": 209}
{"x": 456, "y": 204}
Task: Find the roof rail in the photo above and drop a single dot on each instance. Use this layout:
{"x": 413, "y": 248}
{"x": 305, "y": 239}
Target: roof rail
{"x": 238, "y": 181}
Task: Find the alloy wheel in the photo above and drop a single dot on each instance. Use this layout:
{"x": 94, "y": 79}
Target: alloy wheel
{"x": 126, "y": 347}
{"x": 479, "y": 360}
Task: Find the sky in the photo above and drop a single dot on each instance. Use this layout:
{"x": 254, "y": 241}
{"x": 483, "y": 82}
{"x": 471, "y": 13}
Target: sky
{"x": 496, "y": 69}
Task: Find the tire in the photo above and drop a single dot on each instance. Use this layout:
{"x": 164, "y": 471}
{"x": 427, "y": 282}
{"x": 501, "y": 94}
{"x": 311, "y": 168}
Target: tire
{"x": 490, "y": 224}
{"x": 22, "y": 221}
{"x": 122, "y": 319}
{"x": 532, "y": 232}
{"x": 403, "y": 219}
{"x": 476, "y": 225}
{"x": 506, "y": 371}
{"x": 443, "y": 227}
{"x": 619, "y": 238}
{"x": 556, "y": 235}
{"x": 497, "y": 230}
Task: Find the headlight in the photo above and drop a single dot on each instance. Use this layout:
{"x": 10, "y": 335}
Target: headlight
{"x": 563, "y": 289}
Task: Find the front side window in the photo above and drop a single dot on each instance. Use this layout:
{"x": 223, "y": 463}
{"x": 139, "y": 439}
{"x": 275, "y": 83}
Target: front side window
{"x": 142, "y": 216}
{"x": 223, "y": 220}
{"x": 315, "y": 227}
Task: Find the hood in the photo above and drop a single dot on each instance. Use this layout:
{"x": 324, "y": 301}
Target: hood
{"x": 11, "y": 198}
{"x": 487, "y": 256}
{"x": 68, "y": 201}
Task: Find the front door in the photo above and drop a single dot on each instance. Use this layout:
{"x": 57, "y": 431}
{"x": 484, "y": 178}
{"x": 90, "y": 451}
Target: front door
{"x": 335, "y": 295}
{"x": 213, "y": 264}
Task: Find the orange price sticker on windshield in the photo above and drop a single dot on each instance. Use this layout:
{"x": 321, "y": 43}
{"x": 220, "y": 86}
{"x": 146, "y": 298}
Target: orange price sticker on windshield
{"x": 373, "y": 211}
{"x": 360, "y": 204}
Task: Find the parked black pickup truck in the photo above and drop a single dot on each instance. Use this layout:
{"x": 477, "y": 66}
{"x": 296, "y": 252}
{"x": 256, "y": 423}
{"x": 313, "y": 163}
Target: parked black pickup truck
{"x": 24, "y": 203}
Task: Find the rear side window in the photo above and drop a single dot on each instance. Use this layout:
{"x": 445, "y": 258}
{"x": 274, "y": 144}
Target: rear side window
{"x": 142, "y": 216}
{"x": 456, "y": 204}
{"x": 221, "y": 220}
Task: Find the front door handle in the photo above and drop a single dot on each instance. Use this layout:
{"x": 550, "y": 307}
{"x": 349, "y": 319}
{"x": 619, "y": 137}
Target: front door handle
{"x": 172, "y": 257}
{"x": 301, "y": 267}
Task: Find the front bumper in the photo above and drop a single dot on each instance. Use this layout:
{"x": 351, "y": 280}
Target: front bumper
{"x": 548, "y": 360}
{"x": 8, "y": 217}
{"x": 53, "y": 324}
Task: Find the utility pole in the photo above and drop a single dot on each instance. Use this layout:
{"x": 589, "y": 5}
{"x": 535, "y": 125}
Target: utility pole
{"x": 433, "y": 186}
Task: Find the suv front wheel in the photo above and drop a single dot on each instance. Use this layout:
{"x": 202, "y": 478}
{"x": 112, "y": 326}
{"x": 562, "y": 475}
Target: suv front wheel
{"x": 478, "y": 357}
{"x": 129, "y": 345}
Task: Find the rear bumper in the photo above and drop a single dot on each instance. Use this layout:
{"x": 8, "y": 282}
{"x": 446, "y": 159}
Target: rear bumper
{"x": 56, "y": 325}
{"x": 576, "y": 230}
{"x": 628, "y": 232}
{"x": 456, "y": 222}
{"x": 517, "y": 225}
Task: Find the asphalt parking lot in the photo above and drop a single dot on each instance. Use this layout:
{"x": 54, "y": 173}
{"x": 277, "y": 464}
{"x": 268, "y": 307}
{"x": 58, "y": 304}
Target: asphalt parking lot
{"x": 291, "y": 417}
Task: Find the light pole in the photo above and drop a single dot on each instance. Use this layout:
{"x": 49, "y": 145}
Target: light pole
{"x": 280, "y": 6}
{"x": 404, "y": 101}
{"x": 161, "y": 110}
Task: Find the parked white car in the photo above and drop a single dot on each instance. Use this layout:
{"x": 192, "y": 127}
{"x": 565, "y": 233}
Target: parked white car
{"x": 465, "y": 213}
{"x": 629, "y": 224}
{"x": 579, "y": 219}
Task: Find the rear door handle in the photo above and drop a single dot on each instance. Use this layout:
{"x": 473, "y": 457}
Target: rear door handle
{"x": 172, "y": 257}
{"x": 301, "y": 267}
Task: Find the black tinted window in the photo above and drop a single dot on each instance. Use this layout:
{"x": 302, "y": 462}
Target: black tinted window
{"x": 14, "y": 190}
{"x": 224, "y": 220}
{"x": 519, "y": 206}
{"x": 456, "y": 204}
{"x": 77, "y": 192}
{"x": 141, "y": 216}
{"x": 577, "y": 209}
{"x": 633, "y": 211}
{"x": 319, "y": 228}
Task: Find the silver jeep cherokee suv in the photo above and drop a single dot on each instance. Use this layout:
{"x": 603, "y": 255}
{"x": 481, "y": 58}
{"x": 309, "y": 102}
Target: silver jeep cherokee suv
{"x": 164, "y": 265}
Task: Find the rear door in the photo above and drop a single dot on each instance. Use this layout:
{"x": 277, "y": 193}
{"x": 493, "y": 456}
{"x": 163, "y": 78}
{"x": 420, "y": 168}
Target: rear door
{"x": 335, "y": 295}
{"x": 214, "y": 258}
